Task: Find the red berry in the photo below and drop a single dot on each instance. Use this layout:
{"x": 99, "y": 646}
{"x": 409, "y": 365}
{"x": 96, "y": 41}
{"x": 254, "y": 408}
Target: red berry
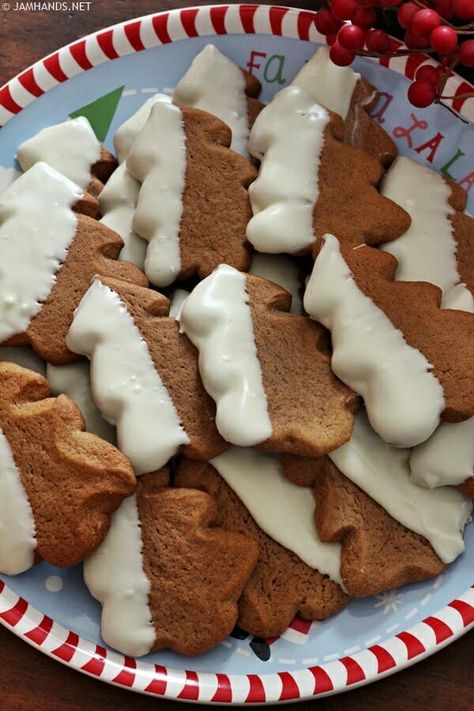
{"x": 421, "y": 94}
{"x": 464, "y": 9}
{"x": 424, "y": 22}
{"x": 414, "y": 41}
{"x": 405, "y": 14}
{"x": 378, "y": 41}
{"x": 343, "y": 9}
{"x": 428, "y": 73}
{"x": 364, "y": 17}
{"x": 466, "y": 53}
{"x": 330, "y": 39}
{"x": 340, "y": 55}
{"x": 392, "y": 3}
{"x": 444, "y": 39}
{"x": 351, "y": 37}
{"x": 326, "y": 23}
{"x": 374, "y": 3}
{"x": 444, "y": 8}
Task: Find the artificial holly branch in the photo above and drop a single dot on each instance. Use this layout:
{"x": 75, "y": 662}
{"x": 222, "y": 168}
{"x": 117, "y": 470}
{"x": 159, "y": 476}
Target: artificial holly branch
{"x": 435, "y": 27}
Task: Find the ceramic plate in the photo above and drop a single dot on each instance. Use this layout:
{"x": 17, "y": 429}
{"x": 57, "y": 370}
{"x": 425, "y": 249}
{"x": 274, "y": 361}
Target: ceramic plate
{"x": 106, "y": 77}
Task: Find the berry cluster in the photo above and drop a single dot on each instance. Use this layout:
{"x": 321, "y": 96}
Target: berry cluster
{"x": 439, "y": 27}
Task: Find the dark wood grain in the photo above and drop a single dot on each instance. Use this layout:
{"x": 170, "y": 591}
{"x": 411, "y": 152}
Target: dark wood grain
{"x": 29, "y": 680}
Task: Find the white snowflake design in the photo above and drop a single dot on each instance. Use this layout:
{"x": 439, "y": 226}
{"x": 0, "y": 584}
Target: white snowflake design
{"x": 390, "y": 601}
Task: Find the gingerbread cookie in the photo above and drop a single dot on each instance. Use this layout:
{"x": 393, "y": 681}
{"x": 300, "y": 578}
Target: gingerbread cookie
{"x": 345, "y": 92}
{"x": 215, "y": 84}
{"x": 59, "y": 485}
{"x": 296, "y": 573}
{"x": 57, "y": 261}
{"x": 411, "y": 361}
{"x": 183, "y": 155}
{"x": 145, "y": 377}
{"x": 392, "y": 531}
{"x": 166, "y": 576}
{"x": 438, "y": 245}
{"x": 311, "y": 183}
{"x": 73, "y": 150}
{"x": 267, "y": 370}
{"x": 24, "y": 356}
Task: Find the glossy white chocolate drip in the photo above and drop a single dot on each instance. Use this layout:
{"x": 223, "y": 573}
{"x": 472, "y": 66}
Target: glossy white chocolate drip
{"x": 37, "y": 226}
{"x": 70, "y": 147}
{"x": 427, "y": 250}
{"x": 74, "y": 380}
{"x": 115, "y": 576}
{"x": 288, "y": 138}
{"x": 178, "y": 298}
{"x": 447, "y": 457}
{"x": 118, "y": 201}
{"x": 329, "y": 85}
{"x": 216, "y": 318}
{"x": 17, "y": 525}
{"x": 7, "y": 177}
{"x": 282, "y": 271}
{"x": 403, "y": 398}
{"x": 283, "y": 510}
{"x": 126, "y": 133}
{"x": 126, "y": 387}
{"x": 213, "y": 83}
{"x": 158, "y": 161}
{"x": 382, "y": 471}
{"x": 458, "y": 297}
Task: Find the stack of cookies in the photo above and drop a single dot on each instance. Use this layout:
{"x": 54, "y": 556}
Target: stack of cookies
{"x": 237, "y": 361}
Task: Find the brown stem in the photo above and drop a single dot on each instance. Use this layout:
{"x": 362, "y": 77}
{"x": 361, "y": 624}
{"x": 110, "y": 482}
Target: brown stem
{"x": 467, "y": 95}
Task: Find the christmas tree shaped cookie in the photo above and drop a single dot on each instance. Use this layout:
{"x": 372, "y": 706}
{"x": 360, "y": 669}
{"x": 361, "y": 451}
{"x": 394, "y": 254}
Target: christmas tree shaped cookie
{"x": 47, "y": 269}
{"x": 268, "y": 370}
{"x": 310, "y": 182}
{"x": 392, "y": 531}
{"x": 166, "y": 575}
{"x": 144, "y": 375}
{"x": 199, "y": 221}
{"x": 296, "y": 572}
{"x": 411, "y": 361}
{"x": 58, "y": 484}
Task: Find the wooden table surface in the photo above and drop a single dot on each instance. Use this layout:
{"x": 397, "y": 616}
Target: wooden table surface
{"x": 29, "y": 680}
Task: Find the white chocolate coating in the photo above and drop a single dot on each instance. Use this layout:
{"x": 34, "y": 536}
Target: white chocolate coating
{"x": 283, "y": 510}
{"x": 216, "y": 318}
{"x": 329, "y": 85}
{"x": 125, "y": 385}
{"x": 383, "y": 473}
{"x": 458, "y": 297}
{"x": 7, "y": 177}
{"x": 213, "y": 83}
{"x": 447, "y": 457}
{"x": 178, "y": 298}
{"x": 37, "y": 226}
{"x": 118, "y": 201}
{"x": 427, "y": 250}
{"x": 17, "y": 525}
{"x": 70, "y": 147}
{"x": 282, "y": 271}
{"x": 126, "y": 133}
{"x": 24, "y": 356}
{"x": 115, "y": 576}
{"x": 74, "y": 380}
{"x": 288, "y": 138}
{"x": 158, "y": 160}
{"x": 403, "y": 398}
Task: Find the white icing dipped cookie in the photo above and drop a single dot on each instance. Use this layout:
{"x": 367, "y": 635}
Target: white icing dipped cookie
{"x": 267, "y": 393}
{"x": 144, "y": 375}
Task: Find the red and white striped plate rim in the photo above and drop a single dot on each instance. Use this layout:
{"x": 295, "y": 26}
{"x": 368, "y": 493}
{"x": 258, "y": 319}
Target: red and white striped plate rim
{"x": 41, "y": 631}
{"x": 164, "y": 27}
